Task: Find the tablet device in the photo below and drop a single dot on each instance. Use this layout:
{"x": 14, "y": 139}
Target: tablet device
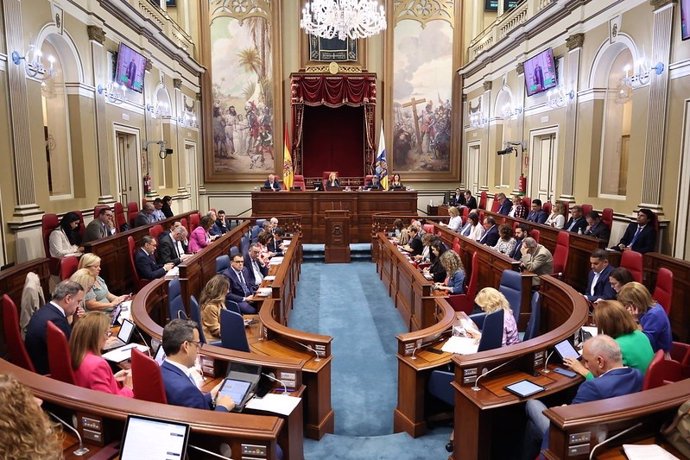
{"x": 154, "y": 439}
{"x": 238, "y": 390}
{"x": 524, "y": 388}
{"x": 160, "y": 355}
{"x": 566, "y": 350}
{"x": 115, "y": 314}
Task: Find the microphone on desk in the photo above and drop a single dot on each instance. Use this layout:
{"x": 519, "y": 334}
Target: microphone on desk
{"x": 81, "y": 450}
{"x": 627, "y": 430}
{"x": 213, "y": 454}
{"x": 476, "y": 381}
{"x": 546, "y": 363}
{"x": 309, "y": 347}
{"x": 271, "y": 376}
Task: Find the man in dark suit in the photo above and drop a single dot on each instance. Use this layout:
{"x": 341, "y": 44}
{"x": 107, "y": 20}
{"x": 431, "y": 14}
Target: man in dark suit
{"x": 470, "y": 201}
{"x": 640, "y": 236}
{"x": 67, "y": 297}
{"x": 221, "y": 226}
{"x": 145, "y": 261}
{"x": 271, "y": 183}
{"x": 598, "y": 286}
{"x": 521, "y": 232}
{"x": 254, "y": 265}
{"x": 375, "y": 185}
{"x": 145, "y": 216}
{"x": 505, "y": 204}
{"x": 596, "y": 228}
{"x": 100, "y": 226}
{"x": 491, "y": 236}
{"x": 168, "y": 249}
{"x": 414, "y": 246}
{"x": 241, "y": 290}
{"x": 537, "y": 214}
{"x": 181, "y": 345}
{"x": 577, "y": 222}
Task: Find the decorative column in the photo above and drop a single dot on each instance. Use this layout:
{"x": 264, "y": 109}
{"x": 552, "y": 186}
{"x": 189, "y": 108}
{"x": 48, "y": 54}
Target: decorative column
{"x": 484, "y": 159}
{"x": 180, "y": 101}
{"x": 658, "y": 96}
{"x": 100, "y": 69}
{"x": 572, "y": 70}
{"x": 520, "y": 158}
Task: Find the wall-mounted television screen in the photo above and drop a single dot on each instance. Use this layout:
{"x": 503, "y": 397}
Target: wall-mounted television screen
{"x": 492, "y": 5}
{"x": 540, "y": 73}
{"x": 685, "y": 19}
{"x": 131, "y": 67}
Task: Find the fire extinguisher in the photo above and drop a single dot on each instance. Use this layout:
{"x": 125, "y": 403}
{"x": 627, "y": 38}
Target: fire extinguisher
{"x": 522, "y": 183}
{"x": 147, "y": 183}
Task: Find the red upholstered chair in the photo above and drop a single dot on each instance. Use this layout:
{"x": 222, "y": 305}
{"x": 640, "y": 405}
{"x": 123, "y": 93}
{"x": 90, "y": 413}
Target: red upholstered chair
{"x": 456, "y": 245}
{"x": 68, "y": 265}
{"x": 16, "y": 351}
{"x": 428, "y": 228}
{"x": 50, "y": 222}
{"x": 97, "y": 209}
{"x": 120, "y": 219}
{"x": 536, "y": 234}
{"x": 138, "y": 282}
{"x": 465, "y": 302}
{"x": 495, "y": 205}
{"x": 82, "y": 227}
{"x": 547, "y": 207}
{"x": 298, "y": 181}
{"x": 526, "y": 202}
{"x": 464, "y": 211}
{"x": 560, "y": 255}
{"x": 607, "y": 217}
{"x": 566, "y": 209}
{"x": 681, "y": 352}
{"x": 663, "y": 291}
{"x": 481, "y": 216}
{"x": 586, "y": 209}
{"x": 194, "y": 221}
{"x": 59, "y": 359}
{"x": 661, "y": 371}
{"x": 368, "y": 179}
{"x": 632, "y": 260}
{"x": 132, "y": 211}
{"x": 515, "y": 225}
{"x": 482, "y": 201}
{"x": 156, "y": 230}
{"x": 147, "y": 381}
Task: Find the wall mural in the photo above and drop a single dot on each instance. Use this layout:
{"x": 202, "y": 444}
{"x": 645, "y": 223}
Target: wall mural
{"x": 243, "y": 92}
{"x": 422, "y": 87}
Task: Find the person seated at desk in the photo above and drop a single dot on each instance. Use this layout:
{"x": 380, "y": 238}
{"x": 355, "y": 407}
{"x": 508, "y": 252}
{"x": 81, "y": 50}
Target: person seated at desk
{"x": 640, "y": 236}
{"x": 472, "y": 228}
{"x": 614, "y": 320}
{"x": 275, "y": 244}
{"x": 145, "y": 216}
{"x": 602, "y": 355}
{"x": 85, "y": 279}
{"x": 221, "y": 225}
{"x": 171, "y": 246}
{"x": 455, "y": 220}
{"x": 91, "y": 371}
{"x": 470, "y": 201}
{"x": 490, "y": 237}
{"x": 537, "y": 214}
{"x": 556, "y": 219}
{"x": 241, "y": 289}
{"x": 64, "y": 240}
{"x": 395, "y": 183}
{"x": 518, "y": 210}
{"x": 414, "y": 246}
{"x": 398, "y": 227}
{"x": 619, "y": 277}
{"x": 167, "y": 208}
{"x": 536, "y": 259}
{"x": 458, "y": 199}
{"x": 374, "y": 185}
{"x": 332, "y": 181}
{"x": 200, "y": 236}
{"x": 272, "y": 184}
{"x": 256, "y": 263}
{"x": 520, "y": 233}
{"x": 145, "y": 261}
{"x": 455, "y": 283}
{"x": 427, "y": 239}
{"x": 158, "y": 213}
{"x": 98, "y": 297}
{"x": 436, "y": 269}
{"x": 577, "y": 222}
{"x": 212, "y": 300}
{"x": 504, "y": 204}
{"x": 101, "y": 227}
{"x": 27, "y": 432}
{"x": 67, "y": 297}
{"x": 596, "y": 228}
{"x": 491, "y": 300}
{"x": 506, "y": 243}
{"x": 181, "y": 345}
{"x": 598, "y": 285}
{"x": 649, "y": 314}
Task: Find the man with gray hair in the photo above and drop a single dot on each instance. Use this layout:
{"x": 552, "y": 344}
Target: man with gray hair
{"x": 168, "y": 248}
{"x": 536, "y": 259}
{"x": 67, "y": 297}
{"x": 145, "y": 216}
{"x": 602, "y": 355}
{"x": 504, "y": 204}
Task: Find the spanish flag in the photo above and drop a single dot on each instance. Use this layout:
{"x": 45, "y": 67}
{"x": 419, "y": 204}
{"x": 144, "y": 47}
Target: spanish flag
{"x": 288, "y": 172}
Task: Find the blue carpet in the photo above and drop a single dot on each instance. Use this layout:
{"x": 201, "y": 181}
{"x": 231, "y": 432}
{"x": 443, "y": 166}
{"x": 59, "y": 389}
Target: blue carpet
{"x": 349, "y": 303}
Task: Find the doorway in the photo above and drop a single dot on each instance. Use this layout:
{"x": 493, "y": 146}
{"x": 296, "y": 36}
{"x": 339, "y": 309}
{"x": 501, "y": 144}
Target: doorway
{"x": 473, "y": 152}
{"x": 543, "y": 165}
{"x": 128, "y": 161}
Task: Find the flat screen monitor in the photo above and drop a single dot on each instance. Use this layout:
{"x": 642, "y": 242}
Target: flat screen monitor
{"x": 685, "y": 19}
{"x": 130, "y": 70}
{"x": 154, "y": 439}
{"x": 540, "y": 73}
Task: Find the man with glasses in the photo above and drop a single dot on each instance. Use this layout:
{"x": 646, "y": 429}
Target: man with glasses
{"x": 100, "y": 226}
{"x": 145, "y": 261}
{"x": 241, "y": 287}
{"x": 181, "y": 345}
{"x": 537, "y": 214}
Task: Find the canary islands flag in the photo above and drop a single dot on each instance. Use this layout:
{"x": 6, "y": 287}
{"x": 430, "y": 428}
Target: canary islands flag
{"x": 288, "y": 172}
{"x": 381, "y": 166}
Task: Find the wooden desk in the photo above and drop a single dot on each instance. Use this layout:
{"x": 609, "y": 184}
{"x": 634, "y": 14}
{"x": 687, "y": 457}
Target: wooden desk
{"x": 312, "y": 206}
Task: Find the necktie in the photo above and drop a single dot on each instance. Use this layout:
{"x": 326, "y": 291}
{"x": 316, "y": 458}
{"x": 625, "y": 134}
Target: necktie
{"x": 467, "y": 230}
{"x": 244, "y": 285}
{"x": 594, "y": 282}
{"x": 572, "y": 225}
{"x": 637, "y": 234}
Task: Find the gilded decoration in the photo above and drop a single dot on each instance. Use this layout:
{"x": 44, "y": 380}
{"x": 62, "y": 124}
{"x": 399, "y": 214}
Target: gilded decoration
{"x": 240, "y": 9}
{"x": 424, "y": 11}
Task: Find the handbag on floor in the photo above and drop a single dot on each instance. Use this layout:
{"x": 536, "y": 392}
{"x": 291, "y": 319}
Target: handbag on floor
{"x": 678, "y": 432}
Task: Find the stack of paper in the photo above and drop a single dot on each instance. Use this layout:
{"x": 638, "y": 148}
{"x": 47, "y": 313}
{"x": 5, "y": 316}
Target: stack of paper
{"x": 647, "y": 452}
{"x": 276, "y": 261}
{"x": 172, "y": 273}
{"x": 461, "y": 345}
{"x": 124, "y": 353}
{"x": 276, "y": 403}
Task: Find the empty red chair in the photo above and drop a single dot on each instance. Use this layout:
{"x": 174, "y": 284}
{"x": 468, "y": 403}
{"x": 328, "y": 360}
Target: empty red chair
{"x": 547, "y": 207}
{"x": 132, "y": 211}
{"x": 456, "y": 245}
{"x": 607, "y": 217}
{"x": 632, "y": 260}
{"x": 50, "y": 222}
{"x": 663, "y": 291}
{"x": 16, "y": 351}
{"x": 495, "y": 205}
{"x": 465, "y": 211}
{"x": 68, "y": 265}
{"x": 156, "y": 230}
{"x": 82, "y": 227}
{"x": 298, "y": 181}
{"x": 566, "y": 209}
{"x": 368, "y": 179}
{"x": 138, "y": 282}
{"x": 560, "y": 255}
{"x": 482, "y": 201}
{"x": 147, "y": 381}
{"x": 428, "y": 228}
{"x": 465, "y": 302}
{"x": 586, "y": 209}
{"x": 194, "y": 221}
{"x": 661, "y": 371}
{"x": 527, "y": 202}
{"x": 59, "y": 359}
{"x": 681, "y": 352}
{"x": 536, "y": 234}
{"x": 120, "y": 219}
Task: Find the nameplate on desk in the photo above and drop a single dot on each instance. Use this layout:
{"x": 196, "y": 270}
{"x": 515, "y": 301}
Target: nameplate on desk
{"x": 469, "y": 376}
{"x": 276, "y": 261}
{"x": 269, "y": 278}
{"x": 263, "y": 292}
{"x": 320, "y": 350}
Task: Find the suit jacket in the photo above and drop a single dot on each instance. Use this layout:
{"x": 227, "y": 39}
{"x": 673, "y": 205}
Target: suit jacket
{"x": 146, "y": 266}
{"x": 143, "y": 219}
{"x": 167, "y": 249}
{"x": 95, "y": 231}
{"x": 236, "y": 292}
{"x": 252, "y": 282}
{"x": 515, "y": 254}
{"x": 373, "y": 186}
{"x": 35, "y": 340}
{"x": 541, "y": 262}
{"x": 600, "y": 230}
{"x": 490, "y": 238}
{"x": 180, "y": 391}
{"x": 471, "y": 203}
{"x": 646, "y": 241}
{"x": 603, "y": 289}
{"x": 579, "y": 225}
{"x": 416, "y": 245}
{"x": 616, "y": 382}
{"x": 537, "y": 216}
{"x": 274, "y": 186}
{"x": 505, "y": 207}
{"x": 94, "y": 373}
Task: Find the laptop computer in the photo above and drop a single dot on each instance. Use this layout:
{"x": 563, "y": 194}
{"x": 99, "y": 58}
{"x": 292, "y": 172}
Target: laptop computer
{"x": 154, "y": 439}
{"x": 123, "y": 336}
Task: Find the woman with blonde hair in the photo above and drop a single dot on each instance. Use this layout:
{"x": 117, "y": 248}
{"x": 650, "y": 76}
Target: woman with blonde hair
{"x": 491, "y": 300}
{"x": 26, "y": 432}
{"x": 651, "y": 316}
{"x": 557, "y": 218}
{"x": 98, "y": 298}
{"x": 85, "y": 279}
{"x": 455, "y": 221}
{"x": 455, "y": 283}
{"x": 88, "y": 338}
{"x": 212, "y": 300}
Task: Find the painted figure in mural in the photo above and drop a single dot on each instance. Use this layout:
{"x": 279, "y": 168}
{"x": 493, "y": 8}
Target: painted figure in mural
{"x": 253, "y": 126}
{"x": 230, "y": 128}
{"x": 427, "y": 122}
{"x": 219, "y": 134}
{"x": 402, "y": 144}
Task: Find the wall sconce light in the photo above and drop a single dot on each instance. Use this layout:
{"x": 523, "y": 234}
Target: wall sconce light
{"x": 509, "y": 111}
{"x": 161, "y": 109}
{"x": 163, "y": 152}
{"x": 643, "y": 74}
{"x": 113, "y": 92}
{"x": 478, "y": 120}
{"x": 34, "y": 64}
{"x": 559, "y": 98}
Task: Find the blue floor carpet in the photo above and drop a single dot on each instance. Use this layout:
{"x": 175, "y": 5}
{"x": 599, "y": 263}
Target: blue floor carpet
{"x": 349, "y": 303}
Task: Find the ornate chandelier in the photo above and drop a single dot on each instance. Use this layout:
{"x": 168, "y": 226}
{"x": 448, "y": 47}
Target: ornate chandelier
{"x": 343, "y": 18}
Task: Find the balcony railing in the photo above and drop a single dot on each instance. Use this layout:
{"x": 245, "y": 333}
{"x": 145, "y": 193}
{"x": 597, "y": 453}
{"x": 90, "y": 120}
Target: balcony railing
{"x": 162, "y": 21}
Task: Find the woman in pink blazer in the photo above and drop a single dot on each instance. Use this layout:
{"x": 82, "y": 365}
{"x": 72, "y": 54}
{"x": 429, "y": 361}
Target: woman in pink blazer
{"x": 88, "y": 338}
{"x": 200, "y": 237}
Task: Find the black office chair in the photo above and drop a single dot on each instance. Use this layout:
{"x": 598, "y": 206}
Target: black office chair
{"x": 492, "y": 332}
{"x": 533, "y": 324}
{"x": 175, "y": 305}
{"x": 222, "y": 262}
{"x": 232, "y": 334}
